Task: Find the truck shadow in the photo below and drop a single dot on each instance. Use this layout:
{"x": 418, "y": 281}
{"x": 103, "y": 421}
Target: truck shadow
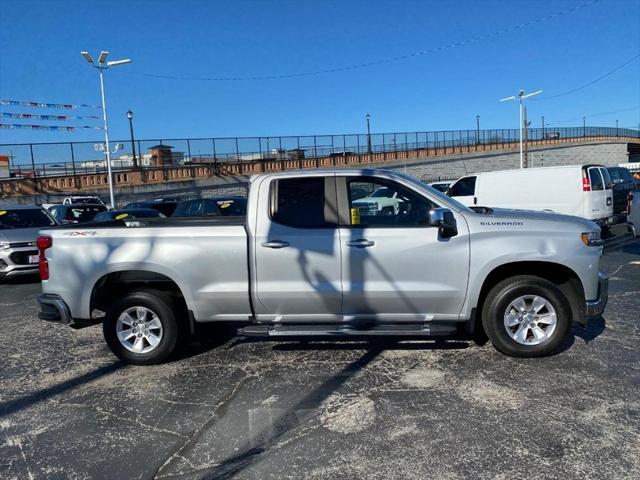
{"x": 251, "y": 452}
{"x": 12, "y": 406}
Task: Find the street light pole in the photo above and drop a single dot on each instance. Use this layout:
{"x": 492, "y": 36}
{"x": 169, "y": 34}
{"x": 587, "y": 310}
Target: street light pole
{"x": 584, "y": 126}
{"x": 617, "y": 132}
{"x": 368, "y": 134}
{"x": 542, "y": 127}
{"x": 133, "y": 143}
{"x": 102, "y": 65}
{"x": 477, "y": 129}
{"x": 520, "y": 97}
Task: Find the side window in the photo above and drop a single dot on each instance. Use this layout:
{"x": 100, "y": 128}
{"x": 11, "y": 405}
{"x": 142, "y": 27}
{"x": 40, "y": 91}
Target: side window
{"x": 596, "y": 179}
{"x": 464, "y": 187}
{"x": 374, "y": 202}
{"x": 298, "y": 202}
{"x": 626, "y": 175}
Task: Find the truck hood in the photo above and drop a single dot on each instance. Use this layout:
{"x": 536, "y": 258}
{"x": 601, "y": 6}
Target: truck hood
{"x": 19, "y": 235}
{"x": 511, "y": 215}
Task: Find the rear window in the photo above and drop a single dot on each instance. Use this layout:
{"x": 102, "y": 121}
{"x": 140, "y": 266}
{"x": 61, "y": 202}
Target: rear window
{"x": 596, "y": 179}
{"x": 464, "y": 187}
{"x": 298, "y": 202}
{"x": 24, "y": 218}
{"x": 84, "y": 214}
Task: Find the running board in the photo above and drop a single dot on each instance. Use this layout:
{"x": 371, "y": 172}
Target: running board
{"x": 332, "y": 330}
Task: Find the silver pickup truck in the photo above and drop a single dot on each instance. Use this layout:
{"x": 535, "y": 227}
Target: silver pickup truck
{"x": 305, "y": 260}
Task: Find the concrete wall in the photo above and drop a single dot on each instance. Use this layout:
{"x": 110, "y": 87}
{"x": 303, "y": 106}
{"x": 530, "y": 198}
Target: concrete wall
{"x": 428, "y": 168}
{"x": 454, "y": 167}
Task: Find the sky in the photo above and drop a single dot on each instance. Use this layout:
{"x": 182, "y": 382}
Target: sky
{"x": 440, "y": 89}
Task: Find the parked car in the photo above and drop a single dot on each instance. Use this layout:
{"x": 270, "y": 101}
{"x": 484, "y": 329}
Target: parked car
{"x": 82, "y": 200}
{"x": 165, "y": 207}
{"x": 623, "y": 184}
{"x": 383, "y": 201}
{"x": 441, "y": 186}
{"x": 71, "y": 214}
{"x": 19, "y": 226}
{"x": 212, "y": 207}
{"x": 303, "y": 261}
{"x": 581, "y": 190}
{"x": 128, "y": 214}
{"x": 633, "y": 213}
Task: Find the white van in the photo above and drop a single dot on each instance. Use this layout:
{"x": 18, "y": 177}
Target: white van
{"x": 581, "y": 190}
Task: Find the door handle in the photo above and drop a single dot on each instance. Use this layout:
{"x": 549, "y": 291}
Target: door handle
{"x": 361, "y": 243}
{"x": 275, "y": 244}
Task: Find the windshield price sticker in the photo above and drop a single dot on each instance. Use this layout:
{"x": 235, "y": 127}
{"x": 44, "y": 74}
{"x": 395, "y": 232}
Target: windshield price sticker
{"x": 122, "y": 216}
{"x": 3, "y": 212}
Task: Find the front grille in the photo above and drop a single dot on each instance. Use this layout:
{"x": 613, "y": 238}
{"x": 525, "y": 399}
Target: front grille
{"x": 3, "y": 264}
{"x": 22, "y": 244}
{"x": 22, "y": 258}
{"x": 368, "y": 209}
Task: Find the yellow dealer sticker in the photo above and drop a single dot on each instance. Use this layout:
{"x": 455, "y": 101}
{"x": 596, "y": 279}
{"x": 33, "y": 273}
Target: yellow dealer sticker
{"x": 355, "y": 216}
{"x": 122, "y": 216}
{"x": 225, "y": 205}
{"x": 3, "y": 212}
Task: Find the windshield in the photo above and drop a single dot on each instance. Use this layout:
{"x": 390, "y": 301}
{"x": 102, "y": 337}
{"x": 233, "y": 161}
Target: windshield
{"x": 440, "y": 197}
{"x": 25, "y": 218}
{"x": 383, "y": 192}
{"x": 84, "y": 214}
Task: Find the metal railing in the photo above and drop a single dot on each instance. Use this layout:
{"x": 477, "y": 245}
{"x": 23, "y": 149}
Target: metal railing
{"x": 45, "y": 160}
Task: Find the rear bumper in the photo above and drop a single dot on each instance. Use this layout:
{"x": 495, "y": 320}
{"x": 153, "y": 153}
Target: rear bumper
{"x": 54, "y": 309}
{"x": 594, "y": 308}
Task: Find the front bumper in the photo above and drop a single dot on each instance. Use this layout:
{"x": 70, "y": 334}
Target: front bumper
{"x": 594, "y": 308}
{"x": 54, "y": 309}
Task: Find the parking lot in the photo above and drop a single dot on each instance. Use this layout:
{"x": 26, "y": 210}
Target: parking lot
{"x": 251, "y": 408}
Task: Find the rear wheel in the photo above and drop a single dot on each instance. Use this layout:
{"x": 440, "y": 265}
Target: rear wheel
{"x": 526, "y": 316}
{"x": 141, "y": 328}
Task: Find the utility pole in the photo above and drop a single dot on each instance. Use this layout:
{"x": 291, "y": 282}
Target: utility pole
{"x": 102, "y": 65}
{"x": 368, "y": 133}
{"x": 477, "y": 129}
{"x": 133, "y": 142}
{"x": 520, "y": 97}
{"x": 543, "y": 127}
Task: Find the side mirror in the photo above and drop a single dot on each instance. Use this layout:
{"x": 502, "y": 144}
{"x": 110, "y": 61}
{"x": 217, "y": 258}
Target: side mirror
{"x": 445, "y": 221}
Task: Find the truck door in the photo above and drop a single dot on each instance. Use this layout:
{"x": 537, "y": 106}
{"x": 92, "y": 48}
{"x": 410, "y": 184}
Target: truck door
{"x": 396, "y": 267}
{"x": 599, "y": 201}
{"x": 297, "y": 253}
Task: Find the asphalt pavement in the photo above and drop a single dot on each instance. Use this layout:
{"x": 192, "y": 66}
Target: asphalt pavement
{"x": 257, "y": 409}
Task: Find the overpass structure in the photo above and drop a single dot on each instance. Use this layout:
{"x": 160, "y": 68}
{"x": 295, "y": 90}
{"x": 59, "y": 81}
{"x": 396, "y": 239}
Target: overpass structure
{"x": 448, "y": 156}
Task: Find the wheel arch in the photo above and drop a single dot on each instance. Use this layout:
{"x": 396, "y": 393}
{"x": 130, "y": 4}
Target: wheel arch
{"x": 560, "y": 275}
{"x": 114, "y": 284}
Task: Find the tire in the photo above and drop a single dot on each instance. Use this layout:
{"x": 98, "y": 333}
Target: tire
{"x": 531, "y": 334}
{"x": 387, "y": 211}
{"x": 157, "y": 312}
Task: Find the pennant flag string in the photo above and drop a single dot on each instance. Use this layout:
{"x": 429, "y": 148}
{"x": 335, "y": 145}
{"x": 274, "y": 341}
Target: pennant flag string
{"x": 46, "y": 105}
{"x": 47, "y": 127}
{"x": 36, "y": 116}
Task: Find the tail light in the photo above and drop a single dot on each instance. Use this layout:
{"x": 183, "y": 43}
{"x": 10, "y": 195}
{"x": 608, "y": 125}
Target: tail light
{"x": 43, "y": 242}
{"x": 629, "y": 201}
{"x": 586, "y": 183}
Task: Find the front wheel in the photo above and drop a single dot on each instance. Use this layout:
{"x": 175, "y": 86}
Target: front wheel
{"x": 526, "y": 316}
{"x": 141, "y": 328}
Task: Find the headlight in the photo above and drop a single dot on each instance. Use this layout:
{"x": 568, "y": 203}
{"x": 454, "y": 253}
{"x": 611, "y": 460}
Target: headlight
{"x": 592, "y": 239}
{"x": 4, "y": 245}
